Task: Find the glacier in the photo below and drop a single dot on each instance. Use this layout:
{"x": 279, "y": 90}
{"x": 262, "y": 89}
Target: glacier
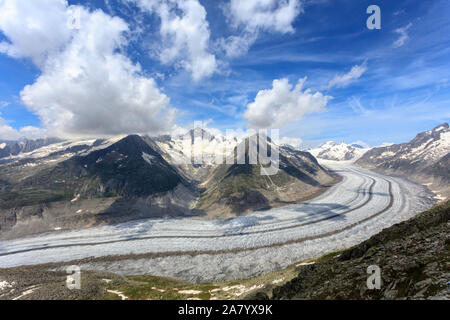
{"x": 200, "y": 249}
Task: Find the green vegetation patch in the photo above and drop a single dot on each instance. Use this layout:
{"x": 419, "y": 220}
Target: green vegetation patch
{"x": 31, "y": 196}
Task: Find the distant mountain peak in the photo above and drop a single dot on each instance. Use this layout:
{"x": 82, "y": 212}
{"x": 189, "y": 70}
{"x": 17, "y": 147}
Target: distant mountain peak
{"x": 198, "y": 132}
{"x": 441, "y": 127}
{"x": 331, "y": 150}
{"x": 24, "y": 145}
{"x": 424, "y": 150}
{"x": 424, "y": 159}
{"x": 328, "y": 143}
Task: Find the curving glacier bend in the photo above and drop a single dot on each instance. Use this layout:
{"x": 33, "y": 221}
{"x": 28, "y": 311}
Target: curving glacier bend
{"x": 197, "y": 249}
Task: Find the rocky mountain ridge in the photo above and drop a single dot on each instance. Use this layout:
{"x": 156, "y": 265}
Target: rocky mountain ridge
{"x": 75, "y": 184}
{"x": 338, "y": 151}
{"x": 424, "y": 159}
{"x": 13, "y": 148}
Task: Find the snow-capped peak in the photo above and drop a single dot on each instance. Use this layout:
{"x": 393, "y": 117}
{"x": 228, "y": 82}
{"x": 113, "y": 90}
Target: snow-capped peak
{"x": 197, "y": 146}
{"x": 428, "y": 146}
{"x": 440, "y": 128}
{"x": 338, "y": 151}
{"x": 425, "y": 149}
{"x": 64, "y": 149}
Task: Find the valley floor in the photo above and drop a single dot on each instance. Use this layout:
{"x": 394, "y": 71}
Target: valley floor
{"x": 413, "y": 257}
{"x": 201, "y": 250}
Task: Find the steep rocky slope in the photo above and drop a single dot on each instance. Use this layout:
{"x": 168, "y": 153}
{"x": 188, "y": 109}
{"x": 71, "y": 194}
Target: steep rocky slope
{"x": 123, "y": 181}
{"x": 413, "y": 256}
{"x": 73, "y": 184}
{"x": 240, "y": 188}
{"x": 234, "y": 189}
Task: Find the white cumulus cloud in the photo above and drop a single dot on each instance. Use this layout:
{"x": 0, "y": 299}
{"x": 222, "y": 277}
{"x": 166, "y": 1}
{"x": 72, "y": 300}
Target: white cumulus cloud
{"x": 269, "y": 15}
{"x": 7, "y": 132}
{"x": 185, "y": 35}
{"x": 282, "y": 104}
{"x": 344, "y": 80}
{"x": 86, "y": 86}
{"x": 253, "y": 16}
{"x": 235, "y": 46}
{"x": 35, "y": 29}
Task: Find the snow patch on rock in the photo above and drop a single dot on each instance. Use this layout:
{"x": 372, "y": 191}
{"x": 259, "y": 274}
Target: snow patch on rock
{"x": 148, "y": 158}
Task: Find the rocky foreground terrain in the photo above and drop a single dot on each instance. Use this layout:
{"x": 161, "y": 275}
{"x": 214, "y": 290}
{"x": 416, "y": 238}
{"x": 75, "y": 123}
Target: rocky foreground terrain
{"x": 414, "y": 257}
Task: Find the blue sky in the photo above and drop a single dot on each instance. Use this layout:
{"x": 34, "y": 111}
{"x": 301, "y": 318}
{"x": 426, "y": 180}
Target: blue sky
{"x": 389, "y": 84}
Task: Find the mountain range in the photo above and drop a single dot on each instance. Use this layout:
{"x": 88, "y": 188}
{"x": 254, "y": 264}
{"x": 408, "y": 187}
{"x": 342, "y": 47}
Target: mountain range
{"x": 338, "y": 151}
{"x": 73, "y": 184}
{"x": 13, "y": 148}
{"x": 425, "y": 159}
{"x": 52, "y": 184}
